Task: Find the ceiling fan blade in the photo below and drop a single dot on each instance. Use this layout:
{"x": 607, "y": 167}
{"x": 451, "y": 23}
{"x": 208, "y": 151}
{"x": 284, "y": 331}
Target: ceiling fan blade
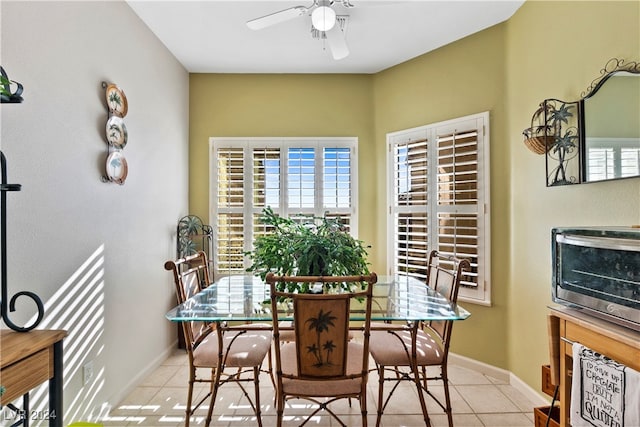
{"x": 337, "y": 42}
{"x": 276, "y": 18}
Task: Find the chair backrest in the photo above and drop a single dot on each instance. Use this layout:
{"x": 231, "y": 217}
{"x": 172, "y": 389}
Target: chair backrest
{"x": 191, "y": 275}
{"x": 444, "y": 274}
{"x": 321, "y": 324}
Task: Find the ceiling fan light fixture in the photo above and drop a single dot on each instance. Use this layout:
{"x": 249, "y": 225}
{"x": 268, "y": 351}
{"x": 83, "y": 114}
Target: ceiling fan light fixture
{"x": 323, "y": 18}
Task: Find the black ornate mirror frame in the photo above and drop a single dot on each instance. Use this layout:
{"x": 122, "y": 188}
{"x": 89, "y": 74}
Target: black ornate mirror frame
{"x": 613, "y": 66}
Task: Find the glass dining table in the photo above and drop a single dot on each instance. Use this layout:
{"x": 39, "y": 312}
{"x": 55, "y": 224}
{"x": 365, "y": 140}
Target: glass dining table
{"x": 246, "y": 299}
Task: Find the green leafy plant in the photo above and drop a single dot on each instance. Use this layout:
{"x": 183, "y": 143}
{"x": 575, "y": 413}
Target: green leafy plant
{"x": 315, "y": 246}
{"x": 6, "y": 96}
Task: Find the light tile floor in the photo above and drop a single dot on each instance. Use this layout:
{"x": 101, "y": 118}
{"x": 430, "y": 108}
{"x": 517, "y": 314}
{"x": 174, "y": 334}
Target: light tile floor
{"x": 477, "y": 400}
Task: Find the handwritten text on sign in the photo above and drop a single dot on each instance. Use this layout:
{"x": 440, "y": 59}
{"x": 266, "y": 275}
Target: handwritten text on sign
{"x": 602, "y": 390}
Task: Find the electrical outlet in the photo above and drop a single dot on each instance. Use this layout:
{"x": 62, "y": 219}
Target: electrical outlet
{"x": 87, "y": 372}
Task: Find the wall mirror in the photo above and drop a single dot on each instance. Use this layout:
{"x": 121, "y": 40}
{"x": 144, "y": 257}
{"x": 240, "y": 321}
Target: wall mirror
{"x": 610, "y": 125}
{"x": 596, "y": 138}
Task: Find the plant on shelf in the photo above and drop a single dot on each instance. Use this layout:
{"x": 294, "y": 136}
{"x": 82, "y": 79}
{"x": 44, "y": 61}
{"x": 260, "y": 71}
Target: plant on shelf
{"x": 314, "y": 246}
{"x": 6, "y": 95}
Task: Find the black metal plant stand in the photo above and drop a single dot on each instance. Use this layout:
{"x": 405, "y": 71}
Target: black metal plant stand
{"x": 10, "y": 305}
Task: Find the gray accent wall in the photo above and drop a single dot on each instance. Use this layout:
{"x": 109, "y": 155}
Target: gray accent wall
{"x": 93, "y": 251}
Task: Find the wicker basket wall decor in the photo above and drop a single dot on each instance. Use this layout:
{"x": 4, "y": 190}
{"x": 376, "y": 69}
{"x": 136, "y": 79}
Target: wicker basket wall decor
{"x": 538, "y": 137}
{"x": 539, "y": 144}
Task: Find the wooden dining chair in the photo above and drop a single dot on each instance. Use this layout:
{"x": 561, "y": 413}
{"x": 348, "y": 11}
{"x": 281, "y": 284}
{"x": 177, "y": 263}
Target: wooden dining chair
{"x": 321, "y": 364}
{"x": 405, "y": 351}
{"x": 231, "y": 353}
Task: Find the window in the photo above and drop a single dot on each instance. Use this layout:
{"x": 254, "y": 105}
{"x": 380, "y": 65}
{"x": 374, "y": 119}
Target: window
{"x": 439, "y": 199}
{"x": 296, "y": 177}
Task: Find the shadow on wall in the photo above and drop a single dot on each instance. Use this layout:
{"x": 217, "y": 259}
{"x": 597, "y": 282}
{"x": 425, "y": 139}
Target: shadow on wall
{"x": 78, "y": 307}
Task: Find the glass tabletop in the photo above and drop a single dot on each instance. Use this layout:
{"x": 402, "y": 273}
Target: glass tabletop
{"x": 246, "y": 298}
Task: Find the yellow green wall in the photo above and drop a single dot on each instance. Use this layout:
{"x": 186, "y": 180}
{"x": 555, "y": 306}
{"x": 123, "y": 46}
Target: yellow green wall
{"x": 283, "y": 105}
{"x": 557, "y": 59}
{"x": 548, "y": 49}
{"x": 462, "y": 78}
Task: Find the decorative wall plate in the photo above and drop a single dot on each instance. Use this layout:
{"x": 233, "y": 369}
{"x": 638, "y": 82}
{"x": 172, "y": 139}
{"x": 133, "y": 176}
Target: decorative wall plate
{"x": 116, "y": 100}
{"x": 116, "y": 132}
{"x": 116, "y": 167}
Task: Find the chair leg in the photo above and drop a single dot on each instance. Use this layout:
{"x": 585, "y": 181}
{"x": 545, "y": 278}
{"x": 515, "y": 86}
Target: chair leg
{"x": 380, "y": 394}
{"x": 447, "y": 396}
{"x": 273, "y": 381}
{"x": 423, "y": 404}
{"x": 363, "y": 405}
{"x": 192, "y": 372}
{"x": 256, "y": 382}
{"x": 279, "y": 408}
{"x": 214, "y": 395}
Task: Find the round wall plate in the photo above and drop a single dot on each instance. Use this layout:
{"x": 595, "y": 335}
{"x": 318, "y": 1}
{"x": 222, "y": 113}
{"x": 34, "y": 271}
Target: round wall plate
{"x": 117, "y": 168}
{"x": 116, "y": 100}
{"x": 116, "y": 132}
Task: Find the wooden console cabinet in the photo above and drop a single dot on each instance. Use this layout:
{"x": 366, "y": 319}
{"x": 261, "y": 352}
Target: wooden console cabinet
{"x": 567, "y": 326}
{"x": 28, "y": 359}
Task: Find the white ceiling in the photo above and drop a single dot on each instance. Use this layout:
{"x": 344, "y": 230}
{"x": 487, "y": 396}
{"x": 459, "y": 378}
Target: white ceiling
{"x": 211, "y": 36}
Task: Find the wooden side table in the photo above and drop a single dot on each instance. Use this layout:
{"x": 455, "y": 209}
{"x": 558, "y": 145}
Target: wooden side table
{"x": 28, "y": 359}
{"x": 567, "y": 326}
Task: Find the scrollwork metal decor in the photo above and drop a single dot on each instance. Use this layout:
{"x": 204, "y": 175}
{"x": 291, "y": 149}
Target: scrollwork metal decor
{"x": 9, "y": 305}
{"x": 613, "y": 66}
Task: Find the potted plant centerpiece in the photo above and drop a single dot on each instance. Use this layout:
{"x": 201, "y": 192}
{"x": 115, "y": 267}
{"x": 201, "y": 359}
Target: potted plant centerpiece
{"x": 315, "y": 246}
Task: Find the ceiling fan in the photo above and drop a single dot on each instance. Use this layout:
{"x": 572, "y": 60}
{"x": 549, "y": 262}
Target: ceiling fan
{"x": 323, "y": 20}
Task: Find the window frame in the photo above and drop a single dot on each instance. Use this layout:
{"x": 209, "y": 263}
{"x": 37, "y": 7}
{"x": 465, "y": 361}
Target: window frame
{"x": 482, "y": 293}
{"x": 247, "y": 144}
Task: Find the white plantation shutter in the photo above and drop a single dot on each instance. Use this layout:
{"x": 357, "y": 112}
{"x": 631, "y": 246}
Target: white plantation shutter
{"x": 266, "y": 177}
{"x": 229, "y": 222}
{"x": 338, "y": 178}
{"x": 410, "y": 195}
{"x": 457, "y": 196}
{"x": 301, "y": 176}
{"x": 266, "y": 185}
{"x": 439, "y": 199}
{"x": 296, "y": 177}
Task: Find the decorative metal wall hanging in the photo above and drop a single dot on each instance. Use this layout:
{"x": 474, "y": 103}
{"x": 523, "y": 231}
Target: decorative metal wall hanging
{"x": 6, "y": 95}
{"x": 562, "y": 135}
{"x": 194, "y": 236}
{"x": 116, "y": 134}
{"x": 9, "y": 305}
{"x": 558, "y": 129}
{"x": 554, "y": 133}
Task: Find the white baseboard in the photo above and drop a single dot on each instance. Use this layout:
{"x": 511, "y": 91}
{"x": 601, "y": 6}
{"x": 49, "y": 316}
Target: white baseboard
{"x": 502, "y": 375}
{"x": 135, "y": 382}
